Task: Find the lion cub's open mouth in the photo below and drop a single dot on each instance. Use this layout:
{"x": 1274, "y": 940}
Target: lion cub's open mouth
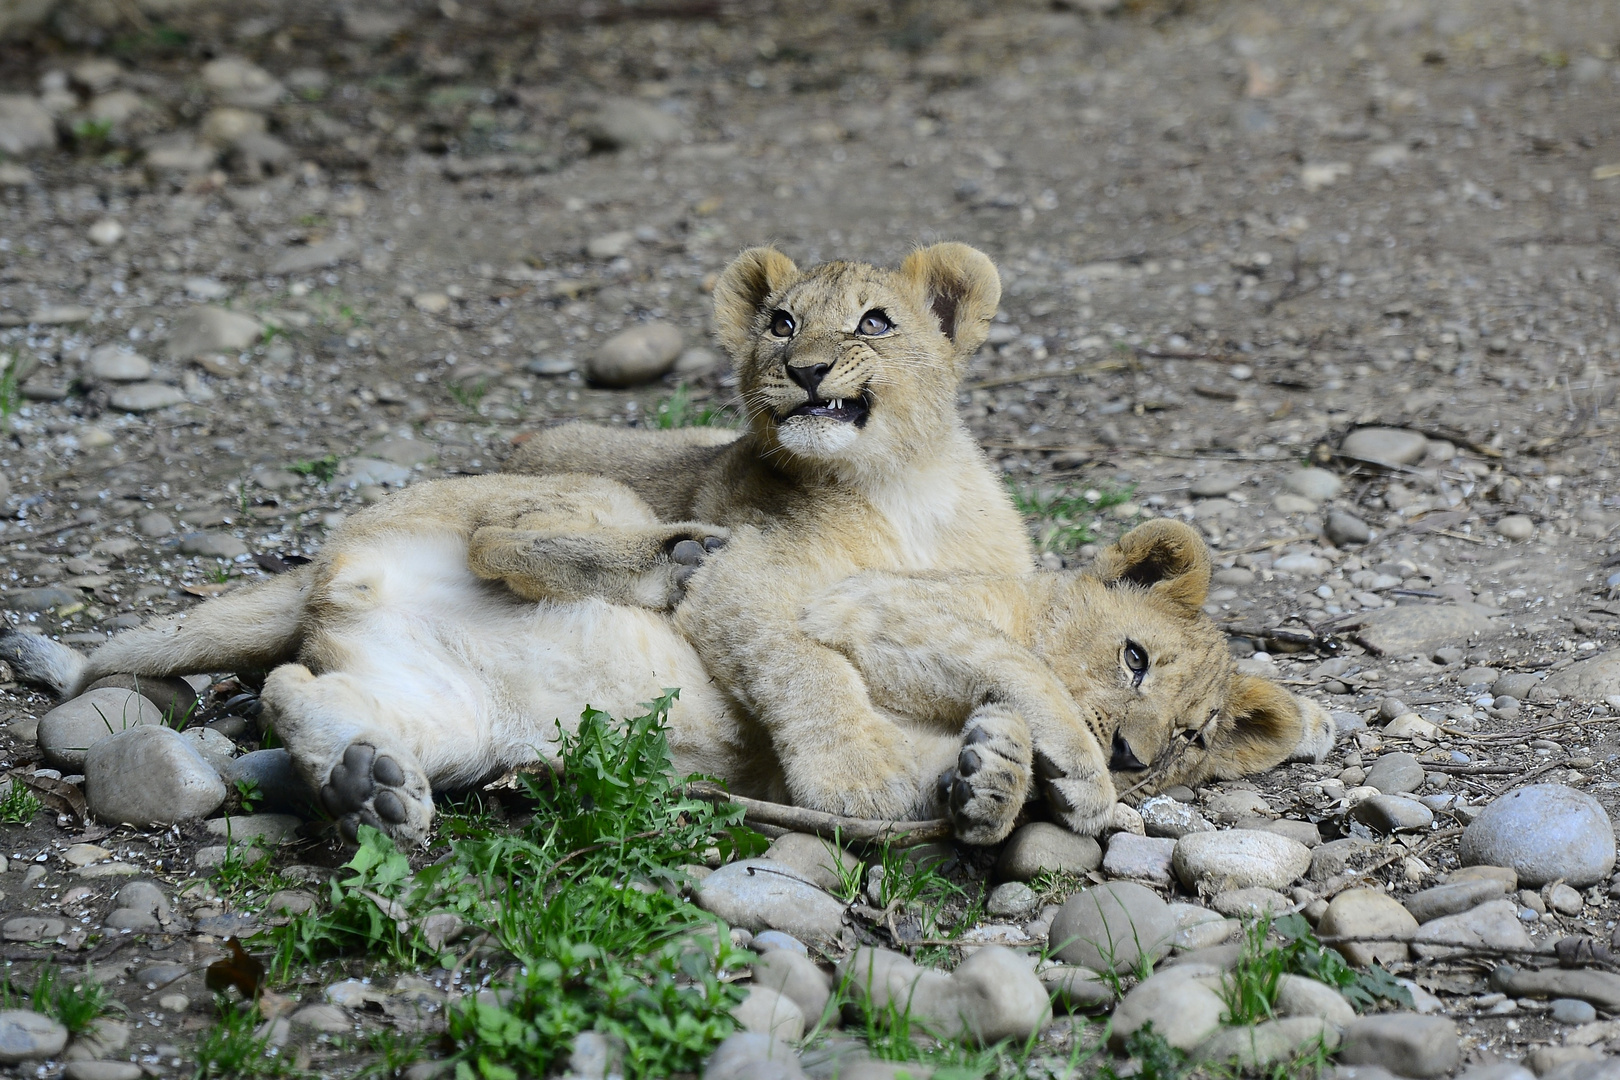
{"x": 850, "y": 410}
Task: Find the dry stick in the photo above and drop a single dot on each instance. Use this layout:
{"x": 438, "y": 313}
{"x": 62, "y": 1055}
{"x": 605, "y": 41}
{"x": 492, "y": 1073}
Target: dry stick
{"x": 828, "y": 826}
{"x": 1345, "y": 880}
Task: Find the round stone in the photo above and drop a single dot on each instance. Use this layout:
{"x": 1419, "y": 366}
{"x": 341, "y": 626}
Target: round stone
{"x": 143, "y": 397}
{"x": 28, "y": 1036}
{"x": 149, "y": 775}
{"x": 68, "y": 731}
{"x": 1394, "y": 446}
{"x": 1112, "y": 926}
{"x": 1011, "y": 900}
{"x": 1368, "y": 913}
{"x": 637, "y": 355}
{"x": 1573, "y": 1011}
{"x": 1239, "y": 859}
{"x": 1041, "y": 847}
{"x": 1345, "y": 529}
{"x": 115, "y": 363}
{"x": 1544, "y": 832}
{"x": 1317, "y": 485}
{"x": 1516, "y": 527}
{"x": 1215, "y": 485}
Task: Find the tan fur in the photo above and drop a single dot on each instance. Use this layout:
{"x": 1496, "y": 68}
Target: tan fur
{"x": 819, "y": 499}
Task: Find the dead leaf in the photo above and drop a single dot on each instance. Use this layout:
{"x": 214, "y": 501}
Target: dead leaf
{"x": 59, "y": 795}
{"x": 238, "y": 969}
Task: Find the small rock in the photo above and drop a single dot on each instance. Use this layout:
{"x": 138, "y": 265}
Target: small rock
{"x": 149, "y": 775}
{"x": 1302, "y": 565}
{"x": 303, "y": 259}
{"x": 215, "y": 545}
{"x": 407, "y": 452}
{"x": 610, "y": 245}
{"x": 1392, "y": 446}
{"x": 106, "y": 232}
{"x": 1317, "y": 485}
{"x": 271, "y": 829}
{"x": 1206, "y": 935}
{"x": 241, "y": 83}
{"x": 1239, "y": 859}
{"x": 1412, "y": 726}
{"x": 1589, "y": 682}
{"x": 1215, "y": 485}
{"x": 202, "y": 329}
{"x": 355, "y": 994}
{"x": 1516, "y": 527}
{"x": 624, "y": 123}
{"x": 1492, "y": 925}
{"x": 759, "y": 894}
{"x": 1269, "y": 1043}
{"x": 1041, "y": 847}
{"x": 115, "y": 363}
{"x": 797, "y": 977}
{"x": 1251, "y": 903}
{"x": 1077, "y": 989}
{"x": 1544, "y": 832}
{"x": 1345, "y": 530}
{"x": 1165, "y": 817}
{"x": 1572, "y": 1011}
{"x": 992, "y": 995}
{"x": 1396, "y": 774}
{"x": 1601, "y": 988}
{"x": 144, "y": 896}
{"x": 1182, "y": 1008}
{"x": 696, "y": 360}
{"x": 104, "y": 1070}
{"x": 1012, "y": 900}
{"x": 748, "y": 1056}
{"x": 136, "y": 922}
{"x": 281, "y": 790}
{"x": 431, "y": 303}
{"x": 637, "y": 355}
{"x": 1422, "y": 628}
{"x": 1417, "y": 1046}
{"x": 1392, "y": 813}
{"x": 1515, "y": 684}
{"x": 766, "y": 1012}
{"x": 1231, "y": 806}
{"x": 1504, "y": 875}
{"x": 1300, "y": 996}
{"x": 41, "y": 599}
{"x": 358, "y": 472}
{"x": 1368, "y": 913}
{"x": 767, "y": 940}
{"x": 1302, "y": 832}
{"x": 143, "y": 397}
{"x": 1565, "y": 900}
{"x": 1111, "y": 927}
{"x": 290, "y": 902}
{"x": 1451, "y": 898}
{"x": 25, "y": 126}
{"x": 815, "y": 859}
{"x": 25, "y": 1035}
{"x": 323, "y": 1017}
{"x": 68, "y": 731}
{"x": 31, "y": 928}
{"x": 154, "y": 525}
{"x": 1140, "y": 858}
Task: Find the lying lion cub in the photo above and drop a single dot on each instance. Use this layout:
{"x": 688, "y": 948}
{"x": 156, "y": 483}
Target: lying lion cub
{"x": 442, "y": 635}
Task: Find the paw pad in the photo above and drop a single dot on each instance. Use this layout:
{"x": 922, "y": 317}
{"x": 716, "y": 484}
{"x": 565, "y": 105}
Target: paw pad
{"x": 366, "y": 788}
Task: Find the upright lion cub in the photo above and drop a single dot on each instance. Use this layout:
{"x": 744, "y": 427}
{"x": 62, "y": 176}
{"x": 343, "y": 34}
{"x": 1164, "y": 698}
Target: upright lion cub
{"x": 853, "y": 459}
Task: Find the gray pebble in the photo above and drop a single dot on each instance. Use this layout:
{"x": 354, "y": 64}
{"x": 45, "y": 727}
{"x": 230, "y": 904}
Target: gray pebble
{"x": 1573, "y": 1011}
{"x": 28, "y": 1036}
{"x": 1392, "y": 813}
{"x": 1396, "y": 774}
{"x": 149, "y": 775}
{"x": 1011, "y": 900}
{"x": 1317, "y": 485}
{"x": 1042, "y": 847}
{"x": 1545, "y": 832}
{"x": 637, "y": 355}
{"x": 1394, "y": 446}
{"x": 1345, "y": 530}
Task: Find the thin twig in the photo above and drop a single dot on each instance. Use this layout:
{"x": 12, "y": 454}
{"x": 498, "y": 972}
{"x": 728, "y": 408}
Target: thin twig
{"x": 829, "y": 826}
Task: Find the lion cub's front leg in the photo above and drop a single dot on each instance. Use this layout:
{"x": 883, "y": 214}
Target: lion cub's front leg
{"x": 931, "y": 648}
{"x": 646, "y": 567}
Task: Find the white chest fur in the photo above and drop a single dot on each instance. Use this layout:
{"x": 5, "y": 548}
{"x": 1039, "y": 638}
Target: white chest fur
{"x": 921, "y": 508}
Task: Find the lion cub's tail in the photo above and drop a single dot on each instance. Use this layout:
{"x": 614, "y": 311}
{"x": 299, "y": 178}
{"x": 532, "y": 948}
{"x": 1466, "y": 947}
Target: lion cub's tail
{"x": 253, "y": 629}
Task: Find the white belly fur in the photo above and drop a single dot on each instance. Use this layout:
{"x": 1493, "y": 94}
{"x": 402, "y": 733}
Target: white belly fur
{"x": 478, "y": 680}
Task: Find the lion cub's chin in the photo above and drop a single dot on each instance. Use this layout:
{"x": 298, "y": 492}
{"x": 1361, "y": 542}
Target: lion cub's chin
{"x": 816, "y": 438}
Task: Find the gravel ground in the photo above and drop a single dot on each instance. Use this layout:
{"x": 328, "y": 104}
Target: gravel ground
{"x": 1230, "y": 236}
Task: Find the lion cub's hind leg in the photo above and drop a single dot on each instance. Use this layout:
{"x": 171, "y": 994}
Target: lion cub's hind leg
{"x": 365, "y": 775}
{"x": 646, "y": 567}
{"x": 990, "y": 782}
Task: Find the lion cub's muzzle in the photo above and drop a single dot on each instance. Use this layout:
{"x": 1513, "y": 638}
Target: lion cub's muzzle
{"x": 844, "y": 410}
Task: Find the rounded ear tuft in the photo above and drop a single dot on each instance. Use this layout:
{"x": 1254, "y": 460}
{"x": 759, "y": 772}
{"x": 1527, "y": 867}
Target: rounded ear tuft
{"x": 1167, "y": 557}
{"x": 961, "y": 287}
{"x": 741, "y": 292}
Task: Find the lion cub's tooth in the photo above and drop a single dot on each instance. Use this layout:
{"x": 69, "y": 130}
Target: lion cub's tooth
{"x": 838, "y": 404}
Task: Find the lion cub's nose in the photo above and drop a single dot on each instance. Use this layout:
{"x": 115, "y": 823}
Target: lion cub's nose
{"x": 808, "y": 376}
{"x": 1124, "y": 759}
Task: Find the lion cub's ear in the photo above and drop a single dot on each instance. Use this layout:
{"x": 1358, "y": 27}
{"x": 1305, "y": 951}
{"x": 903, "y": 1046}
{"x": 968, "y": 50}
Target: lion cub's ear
{"x": 960, "y": 286}
{"x": 1262, "y": 728}
{"x": 742, "y": 290}
{"x": 1167, "y": 557}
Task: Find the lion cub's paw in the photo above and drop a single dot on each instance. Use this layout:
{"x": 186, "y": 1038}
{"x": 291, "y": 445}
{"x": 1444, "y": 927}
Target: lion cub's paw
{"x": 983, "y": 793}
{"x": 380, "y": 790}
{"x": 1083, "y": 803}
{"x": 688, "y": 553}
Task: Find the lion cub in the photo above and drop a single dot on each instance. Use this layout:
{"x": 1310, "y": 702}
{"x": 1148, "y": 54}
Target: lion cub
{"x": 853, "y": 459}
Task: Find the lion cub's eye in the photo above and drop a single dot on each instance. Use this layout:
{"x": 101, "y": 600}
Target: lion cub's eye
{"x": 1136, "y": 659}
{"x": 782, "y": 324}
{"x": 873, "y": 323}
